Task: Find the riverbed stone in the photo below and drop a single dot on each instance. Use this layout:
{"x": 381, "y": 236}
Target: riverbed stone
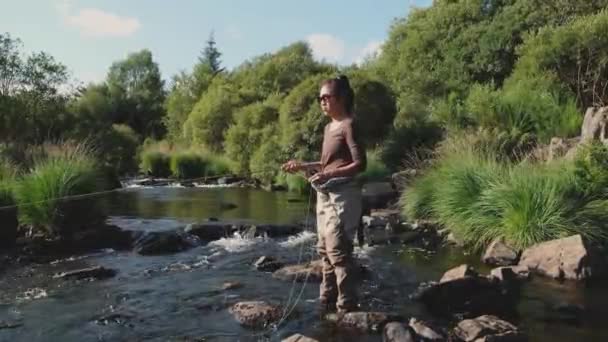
{"x": 488, "y": 328}
{"x": 96, "y": 272}
{"x": 425, "y": 330}
{"x": 267, "y": 264}
{"x": 499, "y": 253}
{"x": 256, "y": 314}
{"x": 378, "y": 195}
{"x": 210, "y": 230}
{"x": 363, "y": 321}
{"x": 313, "y": 269}
{"x": 158, "y": 243}
{"x": 567, "y": 258}
{"x": 397, "y": 332}
{"x": 299, "y": 338}
{"x": 459, "y": 272}
{"x": 10, "y": 324}
{"x": 462, "y": 291}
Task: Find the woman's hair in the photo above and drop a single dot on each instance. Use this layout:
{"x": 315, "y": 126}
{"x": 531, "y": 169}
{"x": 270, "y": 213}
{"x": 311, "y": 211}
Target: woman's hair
{"x": 340, "y": 87}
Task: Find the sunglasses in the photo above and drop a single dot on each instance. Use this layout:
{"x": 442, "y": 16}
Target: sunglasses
{"x": 325, "y": 97}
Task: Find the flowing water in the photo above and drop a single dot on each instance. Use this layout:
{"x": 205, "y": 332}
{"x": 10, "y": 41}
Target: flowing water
{"x": 179, "y": 297}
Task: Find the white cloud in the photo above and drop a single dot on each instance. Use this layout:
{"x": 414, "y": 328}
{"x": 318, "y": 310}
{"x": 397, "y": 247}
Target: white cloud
{"x": 371, "y": 50}
{"x": 94, "y": 22}
{"x": 326, "y": 47}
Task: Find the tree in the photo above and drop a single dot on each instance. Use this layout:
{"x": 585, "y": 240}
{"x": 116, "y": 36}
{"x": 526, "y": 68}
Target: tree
{"x": 212, "y": 115}
{"x": 136, "y": 88}
{"x": 32, "y": 109}
{"x": 211, "y": 56}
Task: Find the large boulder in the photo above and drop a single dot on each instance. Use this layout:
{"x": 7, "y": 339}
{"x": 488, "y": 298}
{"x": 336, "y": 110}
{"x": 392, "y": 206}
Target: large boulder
{"x": 397, "y": 332}
{"x": 488, "y": 328}
{"x": 567, "y": 258}
{"x": 158, "y": 243}
{"x": 462, "y": 291}
{"x": 256, "y": 314}
{"x": 499, "y": 253}
{"x": 312, "y": 271}
{"x": 594, "y": 125}
{"x": 378, "y": 195}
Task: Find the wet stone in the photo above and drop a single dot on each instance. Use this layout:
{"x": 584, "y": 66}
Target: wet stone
{"x": 97, "y": 272}
{"x": 363, "y": 321}
{"x": 425, "y": 330}
{"x": 397, "y": 332}
{"x": 256, "y": 314}
{"x": 299, "y": 338}
{"x": 10, "y": 324}
{"x": 267, "y": 264}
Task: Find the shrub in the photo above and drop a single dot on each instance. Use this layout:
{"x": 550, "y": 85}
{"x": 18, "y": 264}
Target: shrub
{"x": 188, "y": 165}
{"x": 155, "y": 163}
{"x": 67, "y": 172}
{"x": 481, "y": 198}
{"x": 217, "y": 165}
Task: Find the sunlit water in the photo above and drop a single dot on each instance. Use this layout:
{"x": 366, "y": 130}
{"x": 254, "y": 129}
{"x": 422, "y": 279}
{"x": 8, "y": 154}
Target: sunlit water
{"x": 179, "y": 297}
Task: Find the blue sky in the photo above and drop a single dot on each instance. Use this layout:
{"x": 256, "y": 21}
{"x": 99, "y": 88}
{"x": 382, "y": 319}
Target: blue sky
{"x": 88, "y": 35}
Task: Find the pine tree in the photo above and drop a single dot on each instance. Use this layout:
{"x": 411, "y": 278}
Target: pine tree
{"x": 211, "y": 56}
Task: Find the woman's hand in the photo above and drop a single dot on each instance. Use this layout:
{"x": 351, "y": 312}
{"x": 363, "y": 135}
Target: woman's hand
{"x": 292, "y": 166}
{"x": 319, "y": 178}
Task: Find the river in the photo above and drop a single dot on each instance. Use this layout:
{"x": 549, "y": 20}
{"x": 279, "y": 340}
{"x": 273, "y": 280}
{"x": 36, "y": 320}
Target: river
{"x": 179, "y": 297}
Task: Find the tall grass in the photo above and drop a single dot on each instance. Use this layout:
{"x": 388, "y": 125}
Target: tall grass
{"x": 186, "y": 165}
{"x": 480, "y": 199}
{"x": 66, "y": 172}
{"x": 155, "y": 163}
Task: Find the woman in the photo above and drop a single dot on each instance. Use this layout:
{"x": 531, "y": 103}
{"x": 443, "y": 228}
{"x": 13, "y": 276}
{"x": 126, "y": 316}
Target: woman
{"x": 338, "y": 196}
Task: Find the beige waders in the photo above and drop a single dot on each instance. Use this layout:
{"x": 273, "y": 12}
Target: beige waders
{"x": 338, "y": 216}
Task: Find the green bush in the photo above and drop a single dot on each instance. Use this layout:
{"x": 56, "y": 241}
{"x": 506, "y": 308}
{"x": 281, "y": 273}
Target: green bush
{"x": 188, "y": 165}
{"x": 591, "y": 169}
{"x": 480, "y": 198}
{"x": 217, "y": 166}
{"x": 409, "y": 142}
{"x": 155, "y": 163}
{"x": 71, "y": 172}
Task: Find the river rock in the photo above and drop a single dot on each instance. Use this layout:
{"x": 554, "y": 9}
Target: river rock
{"x": 424, "y": 330}
{"x": 8, "y": 227}
{"x": 158, "y": 243}
{"x": 488, "y": 328}
{"x": 567, "y": 258}
{"x": 256, "y": 314}
{"x": 210, "y": 230}
{"x": 462, "y": 291}
{"x": 232, "y": 285}
{"x": 105, "y": 236}
{"x": 267, "y": 264}
{"x": 10, "y": 325}
{"x": 461, "y": 271}
{"x": 97, "y": 272}
{"x": 298, "y": 338}
{"x": 314, "y": 271}
{"x": 377, "y": 195}
{"x": 363, "y": 321}
{"x": 397, "y": 332}
{"x": 500, "y": 254}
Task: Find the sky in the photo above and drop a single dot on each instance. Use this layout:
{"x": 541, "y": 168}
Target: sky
{"x": 89, "y": 35}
